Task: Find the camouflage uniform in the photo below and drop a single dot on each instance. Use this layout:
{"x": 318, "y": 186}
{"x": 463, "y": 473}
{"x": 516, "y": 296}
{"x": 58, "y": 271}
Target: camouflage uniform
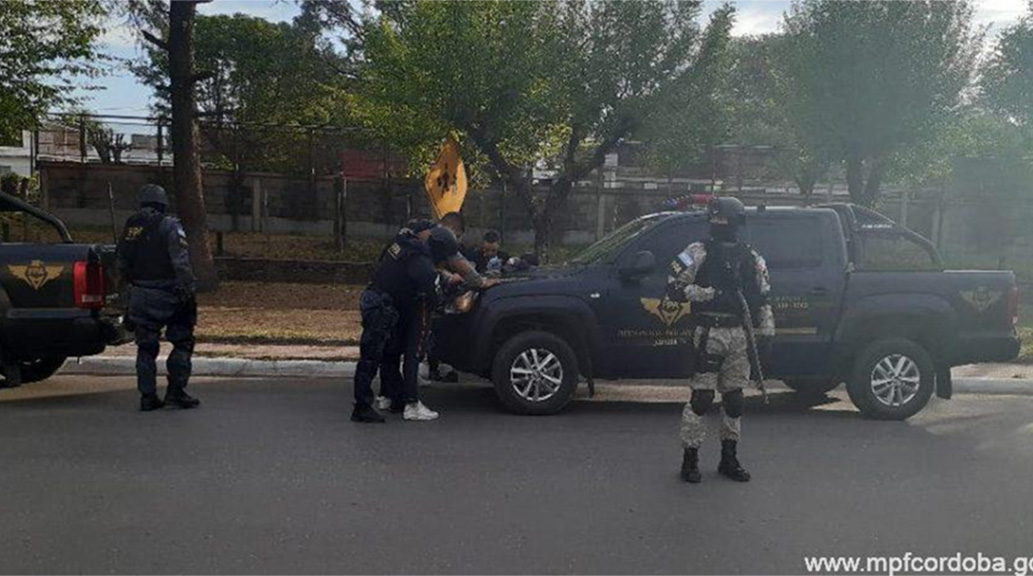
{"x": 726, "y": 342}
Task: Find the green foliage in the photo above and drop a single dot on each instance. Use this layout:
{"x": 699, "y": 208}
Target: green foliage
{"x": 255, "y": 72}
{"x": 44, "y": 47}
{"x": 1007, "y": 81}
{"x": 764, "y": 112}
{"x": 523, "y": 82}
{"x": 871, "y": 78}
{"x": 973, "y": 134}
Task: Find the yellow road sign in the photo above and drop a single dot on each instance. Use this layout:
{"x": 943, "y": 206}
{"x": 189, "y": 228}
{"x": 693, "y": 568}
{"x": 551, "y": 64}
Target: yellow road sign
{"x": 446, "y": 181}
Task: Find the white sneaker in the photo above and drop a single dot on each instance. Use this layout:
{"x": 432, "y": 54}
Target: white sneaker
{"x": 418, "y": 412}
{"x": 382, "y": 403}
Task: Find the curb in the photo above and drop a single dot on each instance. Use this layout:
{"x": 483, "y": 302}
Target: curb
{"x": 239, "y": 367}
{"x": 244, "y": 368}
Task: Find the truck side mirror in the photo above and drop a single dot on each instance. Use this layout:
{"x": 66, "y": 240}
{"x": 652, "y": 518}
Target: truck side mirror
{"x": 641, "y": 264}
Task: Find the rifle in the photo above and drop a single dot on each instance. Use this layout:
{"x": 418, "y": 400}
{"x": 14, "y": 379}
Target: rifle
{"x": 751, "y": 344}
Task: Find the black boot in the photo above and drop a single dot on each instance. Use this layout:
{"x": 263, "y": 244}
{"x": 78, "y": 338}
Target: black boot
{"x": 150, "y": 402}
{"x": 690, "y": 466}
{"x": 366, "y": 414}
{"x": 179, "y": 397}
{"x": 730, "y": 466}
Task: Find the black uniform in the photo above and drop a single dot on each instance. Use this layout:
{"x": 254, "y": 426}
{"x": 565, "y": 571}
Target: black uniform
{"x": 153, "y": 257}
{"x": 395, "y": 315}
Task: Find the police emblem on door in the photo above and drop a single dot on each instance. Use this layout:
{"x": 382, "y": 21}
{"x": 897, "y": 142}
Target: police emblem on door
{"x": 36, "y": 273}
{"x": 981, "y": 299}
{"x": 668, "y": 311}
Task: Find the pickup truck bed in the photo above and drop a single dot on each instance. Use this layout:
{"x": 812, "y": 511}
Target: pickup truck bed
{"x": 56, "y": 301}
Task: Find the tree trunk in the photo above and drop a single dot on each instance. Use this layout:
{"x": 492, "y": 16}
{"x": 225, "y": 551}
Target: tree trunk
{"x": 855, "y": 177}
{"x": 871, "y": 187}
{"x": 186, "y": 170}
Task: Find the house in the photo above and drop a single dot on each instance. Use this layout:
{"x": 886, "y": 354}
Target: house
{"x": 16, "y": 154}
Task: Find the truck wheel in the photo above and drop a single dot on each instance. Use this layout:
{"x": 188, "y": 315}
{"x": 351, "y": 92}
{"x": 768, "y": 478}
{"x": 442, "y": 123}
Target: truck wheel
{"x": 41, "y": 368}
{"x": 535, "y": 373}
{"x": 811, "y": 386}
{"x": 892, "y": 379}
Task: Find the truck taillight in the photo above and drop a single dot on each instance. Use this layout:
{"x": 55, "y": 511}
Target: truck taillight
{"x": 89, "y": 285}
{"x": 1013, "y": 305}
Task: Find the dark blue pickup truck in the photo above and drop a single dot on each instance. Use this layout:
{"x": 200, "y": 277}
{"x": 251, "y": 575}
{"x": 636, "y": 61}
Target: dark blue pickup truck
{"x": 857, "y": 299}
{"x": 56, "y": 300}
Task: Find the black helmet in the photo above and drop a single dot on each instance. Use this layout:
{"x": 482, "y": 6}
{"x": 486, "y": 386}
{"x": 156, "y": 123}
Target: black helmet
{"x": 443, "y": 244}
{"x": 727, "y": 207}
{"x": 153, "y": 194}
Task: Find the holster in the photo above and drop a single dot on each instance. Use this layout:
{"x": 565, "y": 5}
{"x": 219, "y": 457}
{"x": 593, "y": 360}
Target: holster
{"x": 707, "y": 362}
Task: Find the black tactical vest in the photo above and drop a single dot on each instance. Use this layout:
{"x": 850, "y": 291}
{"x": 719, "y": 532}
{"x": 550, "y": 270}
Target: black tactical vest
{"x": 392, "y": 273}
{"x": 728, "y": 268}
{"x": 147, "y": 248}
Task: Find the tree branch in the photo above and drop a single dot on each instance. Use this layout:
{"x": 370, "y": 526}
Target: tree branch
{"x": 154, "y": 40}
{"x": 508, "y": 171}
{"x": 202, "y": 76}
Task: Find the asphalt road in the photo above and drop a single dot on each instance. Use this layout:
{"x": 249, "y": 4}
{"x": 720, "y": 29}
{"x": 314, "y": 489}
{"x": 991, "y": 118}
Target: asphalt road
{"x": 271, "y": 477}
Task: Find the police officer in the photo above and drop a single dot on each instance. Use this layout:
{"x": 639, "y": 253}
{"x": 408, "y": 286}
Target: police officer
{"x": 711, "y": 275}
{"x": 395, "y": 315}
{"x": 153, "y": 258}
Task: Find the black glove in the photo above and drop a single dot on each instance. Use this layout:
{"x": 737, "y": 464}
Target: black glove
{"x": 676, "y": 291}
{"x": 183, "y": 294}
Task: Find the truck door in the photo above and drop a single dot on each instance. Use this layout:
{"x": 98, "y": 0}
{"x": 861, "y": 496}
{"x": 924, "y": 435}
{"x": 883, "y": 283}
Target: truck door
{"x": 806, "y": 259}
{"x": 645, "y": 335}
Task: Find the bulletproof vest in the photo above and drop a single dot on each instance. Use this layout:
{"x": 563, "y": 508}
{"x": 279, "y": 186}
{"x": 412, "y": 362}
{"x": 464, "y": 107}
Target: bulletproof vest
{"x": 392, "y": 273}
{"x": 729, "y": 268}
{"x": 147, "y": 248}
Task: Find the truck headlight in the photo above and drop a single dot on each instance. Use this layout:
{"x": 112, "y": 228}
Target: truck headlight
{"x": 464, "y": 302}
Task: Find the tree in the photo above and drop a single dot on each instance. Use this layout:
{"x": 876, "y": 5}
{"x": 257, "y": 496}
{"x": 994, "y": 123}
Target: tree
{"x": 759, "y": 100}
{"x": 520, "y": 82}
{"x": 170, "y": 27}
{"x": 44, "y": 48}
{"x": 876, "y": 77}
{"x": 1007, "y": 81}
{"x": 254, "y": 72}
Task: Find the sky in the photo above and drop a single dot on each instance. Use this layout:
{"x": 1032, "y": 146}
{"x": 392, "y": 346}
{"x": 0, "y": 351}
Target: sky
{"x": 120, "y": 93}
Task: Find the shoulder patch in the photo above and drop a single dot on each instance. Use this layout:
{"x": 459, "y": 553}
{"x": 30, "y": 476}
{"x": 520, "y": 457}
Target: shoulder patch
{"x": 394, "y": 250}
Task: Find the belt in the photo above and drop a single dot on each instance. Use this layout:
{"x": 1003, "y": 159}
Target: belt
{"x": 711, "y": 320}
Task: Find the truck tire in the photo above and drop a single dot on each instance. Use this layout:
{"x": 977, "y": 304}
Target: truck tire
{"x": 41, "y": 368}
{"x": 892, "y": 379}
{"x": 812, "y": 386}
{"x": 535, "y": 372}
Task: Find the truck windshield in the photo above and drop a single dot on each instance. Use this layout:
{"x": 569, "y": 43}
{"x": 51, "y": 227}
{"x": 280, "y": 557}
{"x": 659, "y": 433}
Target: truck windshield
{"x": 607, "y": 248}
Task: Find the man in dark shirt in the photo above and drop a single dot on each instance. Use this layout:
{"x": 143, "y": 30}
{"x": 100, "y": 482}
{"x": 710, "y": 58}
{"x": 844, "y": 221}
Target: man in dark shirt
{"x": 154, "y": 260}
{"x": 487, "y": 259}
{"x": 395, "y": 317}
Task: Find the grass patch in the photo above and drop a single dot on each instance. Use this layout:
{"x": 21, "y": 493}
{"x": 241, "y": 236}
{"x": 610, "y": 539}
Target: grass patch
{"x": 1026, "y": 352}
{"x": 278, "y": 326}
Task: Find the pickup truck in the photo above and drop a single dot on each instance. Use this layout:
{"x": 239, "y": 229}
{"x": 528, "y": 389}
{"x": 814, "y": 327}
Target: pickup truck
{"x": 857, "y": 298}
{"x": 56, "y": 300}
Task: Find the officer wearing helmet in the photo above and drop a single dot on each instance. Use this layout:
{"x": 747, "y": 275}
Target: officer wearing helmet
{"x": 153, "y": 258}
{"x": 711, "y": 275}
{"x": 395, "y": 309}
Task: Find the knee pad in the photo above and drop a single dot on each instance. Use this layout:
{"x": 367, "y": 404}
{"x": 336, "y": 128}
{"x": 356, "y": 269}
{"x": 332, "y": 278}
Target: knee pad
{"x": 701, "y": 401}
{"x": 734, "y": 403}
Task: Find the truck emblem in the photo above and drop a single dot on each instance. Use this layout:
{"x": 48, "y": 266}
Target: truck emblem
{"x": 36, "y": 273}
{"x": 981, "y": 299}
{"x": 668, "y": 311}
